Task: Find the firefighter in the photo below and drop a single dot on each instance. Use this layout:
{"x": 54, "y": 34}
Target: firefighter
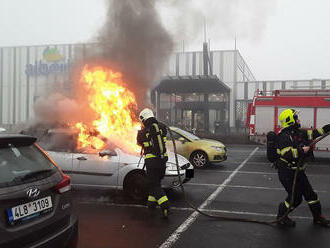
{"x": 152, "y": 139}
{"x": 292, "y": 147}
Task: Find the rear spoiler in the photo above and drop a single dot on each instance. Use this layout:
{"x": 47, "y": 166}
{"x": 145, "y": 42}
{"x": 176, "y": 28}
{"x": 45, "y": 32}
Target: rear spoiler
{"x": 17, "y": 140}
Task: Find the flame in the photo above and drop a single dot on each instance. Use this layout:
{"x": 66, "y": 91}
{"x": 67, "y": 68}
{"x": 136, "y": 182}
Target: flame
{"x": 112, "y": 103}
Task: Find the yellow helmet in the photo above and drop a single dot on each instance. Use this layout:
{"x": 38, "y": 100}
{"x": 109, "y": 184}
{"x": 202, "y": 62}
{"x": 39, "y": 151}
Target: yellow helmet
{"x": 288, "y": 117}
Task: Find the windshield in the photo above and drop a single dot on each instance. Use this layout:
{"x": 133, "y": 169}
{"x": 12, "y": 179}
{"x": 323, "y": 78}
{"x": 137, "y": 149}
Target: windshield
{"x": 189, "y": 135}
{"x": 19, "y": 161}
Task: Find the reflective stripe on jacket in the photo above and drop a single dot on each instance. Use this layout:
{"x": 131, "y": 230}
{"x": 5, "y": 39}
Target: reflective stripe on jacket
{"x": 153, "y": 139}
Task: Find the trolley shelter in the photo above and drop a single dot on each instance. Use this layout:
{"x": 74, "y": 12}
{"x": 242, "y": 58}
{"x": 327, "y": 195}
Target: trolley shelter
{"x": 194, "y": 103}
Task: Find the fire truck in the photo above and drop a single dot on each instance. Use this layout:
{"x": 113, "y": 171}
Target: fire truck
{"x": 313, "y": 108}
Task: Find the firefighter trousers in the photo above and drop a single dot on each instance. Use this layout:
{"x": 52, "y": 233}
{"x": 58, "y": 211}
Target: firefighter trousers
{"x": 155, "y": 173}
{"x": 303, "y": 189}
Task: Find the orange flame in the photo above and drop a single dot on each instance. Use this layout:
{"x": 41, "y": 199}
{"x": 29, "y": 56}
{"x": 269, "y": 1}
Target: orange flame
{"x": 113, "y": 105}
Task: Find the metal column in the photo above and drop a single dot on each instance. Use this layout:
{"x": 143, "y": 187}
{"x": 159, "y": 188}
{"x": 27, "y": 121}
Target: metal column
{"x": 1, "y": 84}
{"x": 14, "y": 85}
{"x": 194, "y": 64}
{"x": 27, "y": 116}
{"x": 177, "y": 64}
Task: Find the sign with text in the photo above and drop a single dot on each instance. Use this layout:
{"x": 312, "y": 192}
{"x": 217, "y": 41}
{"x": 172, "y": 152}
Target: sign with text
{"x": 53, "y": 62}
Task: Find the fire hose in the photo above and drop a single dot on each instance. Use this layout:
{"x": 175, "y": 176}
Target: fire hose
{"x": 237, "y": 218}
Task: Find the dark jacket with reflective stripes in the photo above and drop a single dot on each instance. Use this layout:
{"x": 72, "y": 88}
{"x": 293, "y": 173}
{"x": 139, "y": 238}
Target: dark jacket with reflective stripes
{"x": 292, "y": 139}
{"x": 153, "y": 138}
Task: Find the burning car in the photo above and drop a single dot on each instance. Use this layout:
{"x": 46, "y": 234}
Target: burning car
{"x": 94, "y": 139}
{"x": 111, "y": 167}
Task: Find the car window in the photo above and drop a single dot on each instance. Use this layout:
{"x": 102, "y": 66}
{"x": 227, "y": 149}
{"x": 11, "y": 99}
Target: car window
{"x": 189, "y": 135}
{"x": 176, "y": 136}
{"x": 92, "y": 150}
{"x": 58, "y": 142}
{"x": 18, "y": 161}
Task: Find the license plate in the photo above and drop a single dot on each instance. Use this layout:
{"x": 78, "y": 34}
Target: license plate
{"x": 29, "y": 209}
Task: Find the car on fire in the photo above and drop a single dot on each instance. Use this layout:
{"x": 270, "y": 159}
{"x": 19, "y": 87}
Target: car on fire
{"x": 199, "y": 151}
{"x": 35, "y": 196}
{"x": 111, "y": 167}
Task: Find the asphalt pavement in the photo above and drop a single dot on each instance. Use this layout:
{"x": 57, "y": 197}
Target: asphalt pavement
{"x": 243, "y": 186}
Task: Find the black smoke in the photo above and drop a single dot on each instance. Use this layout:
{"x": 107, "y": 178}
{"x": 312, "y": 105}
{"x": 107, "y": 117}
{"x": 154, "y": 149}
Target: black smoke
{"x": 134, "y": 39}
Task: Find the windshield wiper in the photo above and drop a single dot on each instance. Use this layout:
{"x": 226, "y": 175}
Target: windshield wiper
{"x": 33, "y": 174}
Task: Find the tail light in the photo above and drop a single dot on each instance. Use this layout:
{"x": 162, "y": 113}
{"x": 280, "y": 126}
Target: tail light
{"x": 64, "y": 185}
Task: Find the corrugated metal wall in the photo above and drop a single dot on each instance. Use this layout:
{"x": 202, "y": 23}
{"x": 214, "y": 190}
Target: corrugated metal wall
{"x": 28, "y": 72}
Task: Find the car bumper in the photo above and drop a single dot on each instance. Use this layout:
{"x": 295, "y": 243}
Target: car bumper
{"x": 171, "y": 179}
{"x": 217, "y": 157}
{"x": 68, "y": 237}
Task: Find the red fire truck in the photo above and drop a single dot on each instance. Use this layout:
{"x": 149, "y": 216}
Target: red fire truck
{"x": 313, "y": 107}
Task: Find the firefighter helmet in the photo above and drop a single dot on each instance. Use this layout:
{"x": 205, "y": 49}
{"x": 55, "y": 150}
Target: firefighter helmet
{"x": 288, "y": 117}
{"x": 145, "y": 114}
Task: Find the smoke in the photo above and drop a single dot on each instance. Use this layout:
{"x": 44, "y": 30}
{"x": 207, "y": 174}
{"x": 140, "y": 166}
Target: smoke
{"x": 225, "y": 19}
{"x": 134, "y": 39}
{"x": 60, "y": 109}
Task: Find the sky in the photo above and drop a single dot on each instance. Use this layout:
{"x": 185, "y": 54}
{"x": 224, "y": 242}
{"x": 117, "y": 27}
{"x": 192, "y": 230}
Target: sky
{"x": 279, "y": 39}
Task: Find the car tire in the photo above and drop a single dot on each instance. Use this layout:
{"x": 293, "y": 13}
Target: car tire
{"x": 199, "y": 159}
{"x": 135, "y": 186}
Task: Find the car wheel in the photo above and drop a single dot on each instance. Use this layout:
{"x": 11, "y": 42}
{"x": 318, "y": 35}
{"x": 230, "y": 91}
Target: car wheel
{"x": 135, "y": 186}
{"x": 199, "y": 159}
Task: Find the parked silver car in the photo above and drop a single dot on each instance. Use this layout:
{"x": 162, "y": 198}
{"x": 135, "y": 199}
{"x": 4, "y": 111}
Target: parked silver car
{"x": 110, "y": 168}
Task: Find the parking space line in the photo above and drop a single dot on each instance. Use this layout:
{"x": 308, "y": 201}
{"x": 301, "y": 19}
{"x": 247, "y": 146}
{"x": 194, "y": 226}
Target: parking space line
{"x": 210, "y": 211}
{"x": 255, "y": 173}
{"x": 240, "y": 172}
{"x": 191, "y": 219}
{"x": 234, "y": 186}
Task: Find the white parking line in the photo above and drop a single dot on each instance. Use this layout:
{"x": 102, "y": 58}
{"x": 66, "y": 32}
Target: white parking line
{"x": 190, "y": 220}
{"x": 233, "y": 186}
{"x": 239, "y": 172}
{"x": 246, "y": 187}
{"x": 254, "y": 172}
{"x": 210, "y": 211}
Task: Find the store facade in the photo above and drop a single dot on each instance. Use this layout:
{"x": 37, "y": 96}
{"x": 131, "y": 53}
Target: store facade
{"x": 194, "y": 103}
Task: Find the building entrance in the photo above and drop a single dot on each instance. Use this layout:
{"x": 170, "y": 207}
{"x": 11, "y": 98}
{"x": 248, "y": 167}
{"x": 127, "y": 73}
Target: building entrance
{"x": 194, "y": 120}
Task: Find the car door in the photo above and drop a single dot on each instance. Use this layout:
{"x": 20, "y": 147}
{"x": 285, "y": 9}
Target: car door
{"x": 181, "y": 144}
{"x": 93, "y": 170}
{"x": 65, "y": 161}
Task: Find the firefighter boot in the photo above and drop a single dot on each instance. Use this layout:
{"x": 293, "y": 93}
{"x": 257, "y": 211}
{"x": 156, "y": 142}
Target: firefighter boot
{"x": 284, "y": 221}
{"x": 319, "y": 219}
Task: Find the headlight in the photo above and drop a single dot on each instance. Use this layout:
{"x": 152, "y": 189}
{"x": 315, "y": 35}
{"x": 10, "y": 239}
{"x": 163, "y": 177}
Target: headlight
{"x": 218, "y": 148}
{"x": 171, "y": 166}
{"x": 185, "y": 166}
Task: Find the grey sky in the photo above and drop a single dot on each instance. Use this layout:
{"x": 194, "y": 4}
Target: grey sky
{"x": 279, "y": 39}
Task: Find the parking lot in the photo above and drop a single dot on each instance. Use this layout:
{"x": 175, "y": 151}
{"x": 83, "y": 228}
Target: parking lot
{"x": 245, "y": 185}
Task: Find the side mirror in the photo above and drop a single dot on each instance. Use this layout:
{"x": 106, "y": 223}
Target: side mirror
{"x": 109, "y": 153}
{"x": 182, "y": 140}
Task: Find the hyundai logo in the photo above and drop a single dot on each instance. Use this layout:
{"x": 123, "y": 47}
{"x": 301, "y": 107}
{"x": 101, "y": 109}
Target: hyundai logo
{"x": 33, "y": 192}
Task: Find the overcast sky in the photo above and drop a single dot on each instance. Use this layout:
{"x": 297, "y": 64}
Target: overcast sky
{"x": 279, "y": 39}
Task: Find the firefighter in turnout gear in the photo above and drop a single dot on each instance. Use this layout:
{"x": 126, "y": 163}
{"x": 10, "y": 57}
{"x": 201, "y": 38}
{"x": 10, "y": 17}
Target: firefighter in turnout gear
{"x": 292, "y": 147}
{"x": 152, "y": 138}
